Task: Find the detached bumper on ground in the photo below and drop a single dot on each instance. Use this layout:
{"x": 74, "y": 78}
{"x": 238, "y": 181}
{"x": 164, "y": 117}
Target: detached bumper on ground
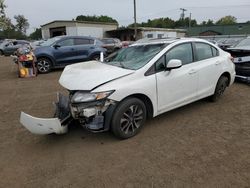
{"x": 58, "y": 124}
{"x": 93, "y": 116}
{"x": 42, "y": 126}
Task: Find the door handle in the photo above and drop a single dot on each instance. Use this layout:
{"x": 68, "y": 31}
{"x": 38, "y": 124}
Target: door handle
{"x": 217, "y": 62}
{"x": 192, "y": 71}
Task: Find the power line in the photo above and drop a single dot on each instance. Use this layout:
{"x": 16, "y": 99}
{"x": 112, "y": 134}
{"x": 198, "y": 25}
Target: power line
{"x": 222, "y": 6}
{"x": 159, "y": 13}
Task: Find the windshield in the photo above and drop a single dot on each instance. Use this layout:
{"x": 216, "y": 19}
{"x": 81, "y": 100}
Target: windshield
{"x": 134, "y": 57}
{"x": 50, "y": 41}
{"x": 245, "y": 42}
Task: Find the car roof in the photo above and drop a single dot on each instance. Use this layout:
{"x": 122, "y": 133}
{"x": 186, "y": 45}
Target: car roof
{"x": 147, "y": 41}
{"x": 83, "y": 37}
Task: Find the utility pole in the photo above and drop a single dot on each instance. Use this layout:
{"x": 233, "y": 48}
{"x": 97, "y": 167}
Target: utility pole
{"x": 190, "y": 18}
{"x": 135, "y": 27}
{"x": 183, "y": 13}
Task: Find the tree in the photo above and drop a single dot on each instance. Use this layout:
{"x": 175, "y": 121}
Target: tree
{"x": 94, "y": 18}
{"x": 37, "y": 34}
{"x": 182, "y": 23}
{"x": 7, "y": 29}
{"x": 209, "y": 22}
{"x": 4, "y": 21}
{"x": 166, "y": 23}
{"x": 227, "y": 20}
{"x": 2, "y": 8}
{"x": 22, "y": 23}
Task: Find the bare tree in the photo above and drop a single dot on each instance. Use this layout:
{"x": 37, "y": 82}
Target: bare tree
{"x": 22, "y": 23}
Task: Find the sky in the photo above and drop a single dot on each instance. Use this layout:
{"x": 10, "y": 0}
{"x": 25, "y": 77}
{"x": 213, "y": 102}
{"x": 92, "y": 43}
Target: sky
{"x": 44, "y": 11}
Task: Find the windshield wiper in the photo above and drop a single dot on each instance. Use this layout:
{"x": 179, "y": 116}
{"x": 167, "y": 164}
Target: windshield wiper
{"x": 122, "y": 65}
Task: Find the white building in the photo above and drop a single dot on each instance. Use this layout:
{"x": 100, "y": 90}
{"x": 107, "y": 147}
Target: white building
{"x": 147, "y": 32}
{"x": 76, "y": 28}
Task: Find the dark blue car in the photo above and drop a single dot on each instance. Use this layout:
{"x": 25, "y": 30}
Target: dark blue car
{"x": 60, "y": 51}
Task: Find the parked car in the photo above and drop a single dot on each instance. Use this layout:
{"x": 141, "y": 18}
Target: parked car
{"x": 213, "y": 41}
{"x": 9, "y": 47}
{"x": 141, "y": 81}
{"x": 125, "y": 44}
{"x": 111, "y": 44}
{"x": 228, "y": 42}
{"x": 241, "y": 55}
{"x": 37, "y": 43}
{"x": 60, "y": 51}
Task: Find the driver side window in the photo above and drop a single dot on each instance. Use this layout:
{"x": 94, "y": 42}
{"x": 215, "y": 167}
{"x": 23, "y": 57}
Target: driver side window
{"x": 67, "y": 42}
{"x": 181, "y": 52}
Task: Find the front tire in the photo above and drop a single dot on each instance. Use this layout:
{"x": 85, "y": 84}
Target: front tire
{"x": 220, "y": 88}
{"x": 95, "y": 57}
{"x": 44, "y": 65}
{"x": 129, "y": 118}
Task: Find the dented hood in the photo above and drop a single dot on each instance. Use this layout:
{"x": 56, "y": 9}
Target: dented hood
{"x": 89, "y": 75}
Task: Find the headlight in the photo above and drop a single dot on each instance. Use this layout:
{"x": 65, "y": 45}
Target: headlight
{"x": 83, "y": 96}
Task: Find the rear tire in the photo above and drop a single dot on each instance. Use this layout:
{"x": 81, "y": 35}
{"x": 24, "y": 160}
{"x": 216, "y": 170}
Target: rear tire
{"x": 44, "y": 65}
{"x": 220, "y": 88}
{"x": 1, "y": 52}
{"x": 128, "y": 119}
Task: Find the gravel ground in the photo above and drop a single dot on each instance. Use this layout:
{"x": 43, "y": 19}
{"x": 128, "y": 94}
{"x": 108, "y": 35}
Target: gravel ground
{"x": 200, "y": 145}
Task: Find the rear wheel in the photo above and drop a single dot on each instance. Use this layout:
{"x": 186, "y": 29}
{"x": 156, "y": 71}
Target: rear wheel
{"x": 220, "y": 88}
{"x": 1, "y": 52}
{"x": 44, "y": 65}
{"x": 128, "y": 118}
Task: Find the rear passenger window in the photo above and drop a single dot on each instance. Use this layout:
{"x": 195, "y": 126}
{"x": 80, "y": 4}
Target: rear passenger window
{"x": 203, "y": 51}
{"x": 215, "y": 51}
{"x": 80, "y": 41}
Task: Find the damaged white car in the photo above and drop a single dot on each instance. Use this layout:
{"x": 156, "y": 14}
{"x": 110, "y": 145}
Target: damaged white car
{"x": 136, "y": 83}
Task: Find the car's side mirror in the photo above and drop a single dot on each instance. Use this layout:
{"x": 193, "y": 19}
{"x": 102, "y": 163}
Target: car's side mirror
{"x": 56, "y": 46}
{"x": 173, "y": 64}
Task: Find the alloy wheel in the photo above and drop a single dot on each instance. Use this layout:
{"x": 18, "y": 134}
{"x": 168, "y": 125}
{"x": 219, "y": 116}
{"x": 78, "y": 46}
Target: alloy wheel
{"x": 43, "y": 66}
{"x": 131, "y": 119}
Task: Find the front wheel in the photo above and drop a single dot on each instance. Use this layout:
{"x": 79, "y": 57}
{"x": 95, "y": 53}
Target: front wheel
{"x": 95, "y": 57}
{"x": 128, "y": 118}
{"x": 44, "y": 65}
{"x": 220, "y": 88}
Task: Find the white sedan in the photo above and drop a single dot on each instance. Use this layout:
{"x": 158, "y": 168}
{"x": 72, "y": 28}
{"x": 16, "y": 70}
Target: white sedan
{"x": 136, "y": 83}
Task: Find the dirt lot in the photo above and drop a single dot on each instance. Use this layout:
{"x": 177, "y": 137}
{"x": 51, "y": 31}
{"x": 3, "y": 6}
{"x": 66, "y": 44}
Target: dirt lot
{"x": 200, "y": 145}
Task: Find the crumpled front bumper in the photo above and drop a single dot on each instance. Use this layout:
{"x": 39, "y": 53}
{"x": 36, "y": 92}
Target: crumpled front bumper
{"x": 42, "y": 126}
{"x": 94, "y": 117}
